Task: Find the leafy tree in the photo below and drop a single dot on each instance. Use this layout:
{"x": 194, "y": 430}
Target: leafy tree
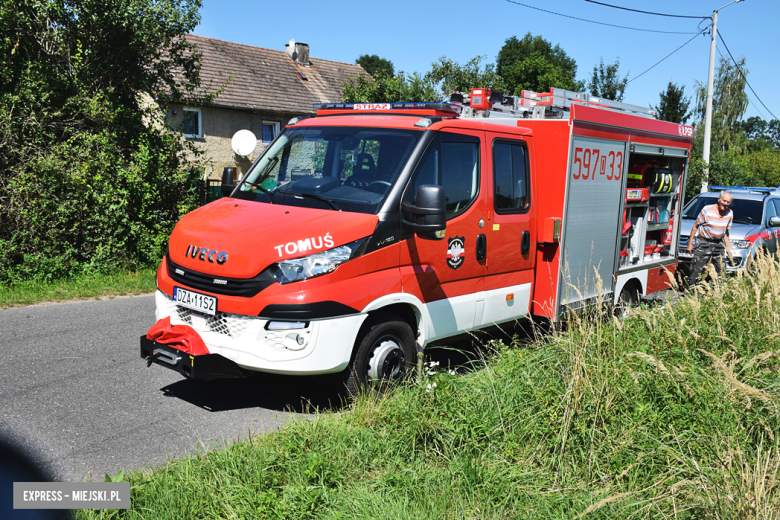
{"x": 762, "y": 158}
{"x": 754, "y": 127}
{"x": 383, "y": 88}
{"x": 535, "y": 64}
{"x": 605, "y": 81}
{"x": 725, "y": 169}
{"x": 729, "y": 103}
{"x": 762, "y": 134}
{"x": 742, "y": 152}
{"x": 765, "y": 167}
{"x": 450, "y": 75}
{"x": 373, "y": 64}
{"x": 674, "y": 105}
{"x": 90, "y": 177}
{"x": 545, "y": 76}
{"x": 435, "y": 85}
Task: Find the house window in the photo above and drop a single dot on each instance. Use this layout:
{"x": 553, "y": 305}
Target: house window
{"x": 192, "y": 124}
{"x": 270, "y": 130}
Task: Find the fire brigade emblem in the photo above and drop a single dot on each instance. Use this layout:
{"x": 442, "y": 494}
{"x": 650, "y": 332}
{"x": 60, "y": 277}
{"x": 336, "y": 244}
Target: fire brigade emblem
{"x": 456, "y": 253}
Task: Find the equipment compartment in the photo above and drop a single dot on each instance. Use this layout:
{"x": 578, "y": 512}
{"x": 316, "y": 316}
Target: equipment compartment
{"x": 653, "y": 195}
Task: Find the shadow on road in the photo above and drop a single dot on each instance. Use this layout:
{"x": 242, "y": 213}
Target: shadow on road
{"x": 270, "y": 391}
{"x": 321, "y": 393}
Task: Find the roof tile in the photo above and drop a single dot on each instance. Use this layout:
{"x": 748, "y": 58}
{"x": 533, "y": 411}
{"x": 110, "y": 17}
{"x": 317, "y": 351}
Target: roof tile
{"x": 267, "y": 79}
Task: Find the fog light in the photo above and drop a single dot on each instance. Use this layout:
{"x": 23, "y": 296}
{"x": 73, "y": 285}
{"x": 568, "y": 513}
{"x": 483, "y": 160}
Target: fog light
{"x": 296, "y": 340}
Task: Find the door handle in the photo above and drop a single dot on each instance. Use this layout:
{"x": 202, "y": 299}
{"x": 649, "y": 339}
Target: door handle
{"x": 481, "y": 247}
{"x": 525, "y": 243}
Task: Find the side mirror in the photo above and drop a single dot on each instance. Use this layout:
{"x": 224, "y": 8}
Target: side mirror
{"x": 429, "y": 213}
{"x": 227, "y": 181}
{"x": 773, "y": 222}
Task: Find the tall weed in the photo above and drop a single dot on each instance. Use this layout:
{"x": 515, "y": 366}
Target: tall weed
{"x": 671, "y": 412}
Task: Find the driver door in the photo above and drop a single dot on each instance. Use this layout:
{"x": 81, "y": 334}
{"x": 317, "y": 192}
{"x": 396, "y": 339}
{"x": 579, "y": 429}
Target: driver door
{"x": 448, "y": 275}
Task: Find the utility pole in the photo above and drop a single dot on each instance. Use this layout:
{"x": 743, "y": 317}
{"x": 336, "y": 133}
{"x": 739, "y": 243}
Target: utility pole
{"x": 708, "y": 113}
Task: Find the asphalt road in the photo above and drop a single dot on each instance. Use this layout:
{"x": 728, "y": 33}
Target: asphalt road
{"x": 77, "y": 397}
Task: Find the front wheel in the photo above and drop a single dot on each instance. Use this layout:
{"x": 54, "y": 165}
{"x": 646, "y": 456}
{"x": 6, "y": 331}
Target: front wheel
{"x": 385, "y": 352}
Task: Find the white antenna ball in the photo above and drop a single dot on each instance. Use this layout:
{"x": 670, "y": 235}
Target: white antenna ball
{"x": 244, "y": 142}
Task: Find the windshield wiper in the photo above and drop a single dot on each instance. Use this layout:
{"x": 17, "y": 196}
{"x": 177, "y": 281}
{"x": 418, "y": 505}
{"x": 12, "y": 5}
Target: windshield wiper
{"x": 267, "y": 192}
{"x": 261, "y": 177}
{"x": 311, "y": 196}
{"x": 744, "y": 222}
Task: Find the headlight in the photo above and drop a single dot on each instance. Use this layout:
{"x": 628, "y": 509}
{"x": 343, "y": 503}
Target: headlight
{"x": 325, "y": 262}
{"x": 741, "y": 244}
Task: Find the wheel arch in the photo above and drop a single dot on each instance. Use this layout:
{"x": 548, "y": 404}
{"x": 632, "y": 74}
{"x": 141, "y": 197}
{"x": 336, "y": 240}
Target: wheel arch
{"x": 631, "y": 282}
{"x": 405, "y": 306}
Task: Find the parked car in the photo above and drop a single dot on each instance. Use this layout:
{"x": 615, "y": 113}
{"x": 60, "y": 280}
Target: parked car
{"x": 756, "y": 223}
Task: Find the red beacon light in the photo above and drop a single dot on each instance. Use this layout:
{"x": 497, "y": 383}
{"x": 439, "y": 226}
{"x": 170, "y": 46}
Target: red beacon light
{"x": 480, "y": 99}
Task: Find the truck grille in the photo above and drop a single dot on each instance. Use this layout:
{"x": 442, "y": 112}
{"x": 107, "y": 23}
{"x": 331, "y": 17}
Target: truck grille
{"x": 233, "y": 325}
{"x": 245, "y": 287}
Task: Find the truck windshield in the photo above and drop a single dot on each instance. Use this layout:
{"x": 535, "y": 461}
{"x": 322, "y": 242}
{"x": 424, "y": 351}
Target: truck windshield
{"x": 336, "y": 168}
{"x": 745, "y": 211}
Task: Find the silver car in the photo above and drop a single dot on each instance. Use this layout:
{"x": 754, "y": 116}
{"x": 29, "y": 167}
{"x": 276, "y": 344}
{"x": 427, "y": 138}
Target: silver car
{"x": 756, "y": 223}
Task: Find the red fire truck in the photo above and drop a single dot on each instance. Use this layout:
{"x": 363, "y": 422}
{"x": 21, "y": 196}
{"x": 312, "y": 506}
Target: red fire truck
{"x": 367, "y": 232}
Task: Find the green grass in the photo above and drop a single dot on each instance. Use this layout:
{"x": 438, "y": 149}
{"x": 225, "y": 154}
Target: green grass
{"x": 673, "y": 412}
{"x": 80, "y": 288}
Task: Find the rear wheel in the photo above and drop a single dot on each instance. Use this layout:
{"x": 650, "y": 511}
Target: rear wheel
{"x": 629, "y": 297}
{"x": 385, "y": 351}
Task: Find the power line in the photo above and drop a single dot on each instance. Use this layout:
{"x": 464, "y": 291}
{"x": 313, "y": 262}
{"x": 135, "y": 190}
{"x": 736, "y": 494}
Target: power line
{"x": 677, "y": 49}
{"x": 599, "y": 23}
{"x": 743, "y": 75}
{"x": 645, "y": 12}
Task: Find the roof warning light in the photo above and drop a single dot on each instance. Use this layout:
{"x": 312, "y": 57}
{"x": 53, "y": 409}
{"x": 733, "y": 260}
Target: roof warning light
{"x": 381, "y": 107}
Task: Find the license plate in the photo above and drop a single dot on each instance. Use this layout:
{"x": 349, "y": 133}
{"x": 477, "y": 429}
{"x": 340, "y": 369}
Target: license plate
{"x": 195, "y": 301}
{"x": 685, "y": 255}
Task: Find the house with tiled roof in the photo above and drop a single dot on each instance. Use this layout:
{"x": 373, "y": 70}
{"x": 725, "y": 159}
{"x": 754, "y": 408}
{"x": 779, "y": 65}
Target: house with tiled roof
{"x": 259, "y": 90}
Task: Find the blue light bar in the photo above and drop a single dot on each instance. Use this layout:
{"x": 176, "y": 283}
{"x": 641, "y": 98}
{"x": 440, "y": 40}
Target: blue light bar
{"x": 358, "y": 107}
{"x": 760, "y": 189}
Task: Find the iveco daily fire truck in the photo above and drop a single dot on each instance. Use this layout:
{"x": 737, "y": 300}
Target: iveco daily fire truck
{"x": 367, "y": 232}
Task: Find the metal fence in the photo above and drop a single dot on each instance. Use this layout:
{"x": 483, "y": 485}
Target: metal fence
{"x": 213, "y": 190}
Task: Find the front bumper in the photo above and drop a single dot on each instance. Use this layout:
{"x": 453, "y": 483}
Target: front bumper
{"x": 326, "y": 344}
{"x": 210, "y": 366}
{"x": 741, "y": 257}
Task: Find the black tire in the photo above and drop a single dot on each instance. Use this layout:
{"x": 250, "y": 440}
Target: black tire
{"x": 384, "y": 352}
{"x": 629, "y": 297}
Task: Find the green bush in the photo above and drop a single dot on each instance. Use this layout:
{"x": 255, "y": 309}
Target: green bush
{"x": 91, "y": 180}
{"x": 84, "y": 207}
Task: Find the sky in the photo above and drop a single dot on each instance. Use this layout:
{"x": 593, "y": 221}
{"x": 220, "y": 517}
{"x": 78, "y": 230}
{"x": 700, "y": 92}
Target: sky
{"x": 413, "y": 34}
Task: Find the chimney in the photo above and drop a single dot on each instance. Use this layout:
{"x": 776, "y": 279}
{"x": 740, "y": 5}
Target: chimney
{"x": 299, "y": 52}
